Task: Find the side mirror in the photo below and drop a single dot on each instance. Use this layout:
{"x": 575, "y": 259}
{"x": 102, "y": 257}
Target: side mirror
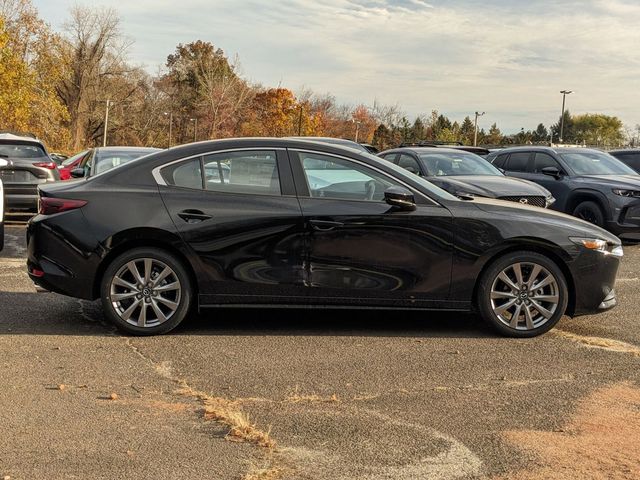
{"x": 552, "y": 172}
{"x": 77, "y": 172}
{"x": 400, "y": 197}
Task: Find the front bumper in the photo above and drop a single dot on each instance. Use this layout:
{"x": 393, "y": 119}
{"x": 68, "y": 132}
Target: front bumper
{"x": 626, "y": 218}
{"x": 594, "y": 278}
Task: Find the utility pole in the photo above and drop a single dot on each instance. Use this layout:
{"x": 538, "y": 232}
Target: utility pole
{"x": 106, "y": 124}
{"x": 170, "y": 114}
{"x": 475, "y": 128}
{"x": 195, "y": 128}
{"x": 300, "y": 121}
{"x": 564, "y": 95}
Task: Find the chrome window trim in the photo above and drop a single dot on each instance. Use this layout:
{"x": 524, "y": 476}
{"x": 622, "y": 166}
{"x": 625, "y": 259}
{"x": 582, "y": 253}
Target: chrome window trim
{"x": 157, "y": 176}
{"x": 366, "y": 165}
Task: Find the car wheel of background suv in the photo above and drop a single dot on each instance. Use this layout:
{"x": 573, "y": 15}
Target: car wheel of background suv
{"x": 146, "y": 291}
{"x": 522, "y": 294}
{"x": 590, "y": 212}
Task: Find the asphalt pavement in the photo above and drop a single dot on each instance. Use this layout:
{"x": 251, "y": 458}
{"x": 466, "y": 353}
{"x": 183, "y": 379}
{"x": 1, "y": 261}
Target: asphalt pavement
{"x": 313, "y": 394}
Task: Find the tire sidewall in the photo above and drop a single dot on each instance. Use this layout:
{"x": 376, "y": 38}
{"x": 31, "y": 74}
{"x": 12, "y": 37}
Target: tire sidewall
{"x": 593, "y": 207}
{"x": 488, "y": 277}
{"x": 186, "y": 298}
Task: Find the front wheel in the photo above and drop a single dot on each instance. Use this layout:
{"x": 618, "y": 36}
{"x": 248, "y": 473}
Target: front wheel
{"x": 590, "y": 212}
{"x": 146, "y": 291}
{"x": 522, "y": 294}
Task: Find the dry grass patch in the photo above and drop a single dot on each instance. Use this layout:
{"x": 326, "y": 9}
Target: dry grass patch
{"x": 599, "y": 342}
{"x": 228, "y": 412}
{"x": 297, "y": 397}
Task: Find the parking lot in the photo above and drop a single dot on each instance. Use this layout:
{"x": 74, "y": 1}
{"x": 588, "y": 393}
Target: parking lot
{"x": 313, "y": 394}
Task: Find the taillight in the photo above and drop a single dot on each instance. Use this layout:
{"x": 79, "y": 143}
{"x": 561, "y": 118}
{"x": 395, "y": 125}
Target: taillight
{"x": 49, "y": 165}
{"x": 49, "y": 205}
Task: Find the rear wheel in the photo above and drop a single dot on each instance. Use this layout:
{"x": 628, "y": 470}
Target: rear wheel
{"x": 146, "y": 291}
{"x": 523, "y": 294}
{"x": 590, "y": 212}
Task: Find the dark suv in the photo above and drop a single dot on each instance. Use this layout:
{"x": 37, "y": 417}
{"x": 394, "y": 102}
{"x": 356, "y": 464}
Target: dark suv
{"x": 630, "y": 157}
{"x": 29, "y": 165}
{"x": 587, "y": 183}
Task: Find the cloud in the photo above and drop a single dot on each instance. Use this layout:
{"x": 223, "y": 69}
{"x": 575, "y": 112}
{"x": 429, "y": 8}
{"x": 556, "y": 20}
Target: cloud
{"x": 507, "y": 58}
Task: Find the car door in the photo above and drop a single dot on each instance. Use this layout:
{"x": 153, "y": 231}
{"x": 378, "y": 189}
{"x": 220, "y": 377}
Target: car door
{"x": 558, "y": 186}
{"x": 238, "y": 212}
{"x": 360, "y": 249}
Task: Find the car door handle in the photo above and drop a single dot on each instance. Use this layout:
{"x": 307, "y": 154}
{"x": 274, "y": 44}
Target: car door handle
{"x": 193, "y": 216}
{"x": 324, "y": 225}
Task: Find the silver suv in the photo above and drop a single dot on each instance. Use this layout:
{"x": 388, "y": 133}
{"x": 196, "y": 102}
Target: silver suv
{"x": 28, "y": 166}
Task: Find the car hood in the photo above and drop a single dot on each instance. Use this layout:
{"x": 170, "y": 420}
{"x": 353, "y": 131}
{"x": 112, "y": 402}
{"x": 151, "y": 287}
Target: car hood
{"x": 546, "y": 216}
{"x": 632, "y": 182}
{"x": 490, "y": 186}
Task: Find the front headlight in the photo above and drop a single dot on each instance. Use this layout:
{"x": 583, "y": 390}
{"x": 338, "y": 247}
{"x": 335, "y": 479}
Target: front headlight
{"x": 599, "y": 245}
{"x": 626, "y": 193}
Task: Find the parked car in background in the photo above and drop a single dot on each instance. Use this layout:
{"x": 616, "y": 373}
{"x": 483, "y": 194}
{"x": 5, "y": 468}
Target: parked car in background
{"x": 480, "y": 151}
{"x": 58, "y": 158}
{"x": 99, "y": 160}
{"x": 370, "y": 148}
{"x": 630, "y": 157}
{"x": 586, "y": 183}
{"x": 64, "y": 169}
{"x": 465, "y": 174}
{"x": 28, "y": 166}
{"x": 3, "y": 163}
{"x": 343, "y": 142}
{"x": 308, "y": 223}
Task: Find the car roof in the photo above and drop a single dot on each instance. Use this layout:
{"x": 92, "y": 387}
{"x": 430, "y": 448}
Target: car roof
{"x": 625, "y": 150}
{"x": 427, "y": 150}
{"x": 127, "y": 148}
{"x": 11, "y": 137}
{"x": 544, "y": 148}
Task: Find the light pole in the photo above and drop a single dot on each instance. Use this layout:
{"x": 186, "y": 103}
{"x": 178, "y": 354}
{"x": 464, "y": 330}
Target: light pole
{"x": 170, "y": 114}
{"x": 357, "y": 129}
{"x": 564, "y": 95}
{"x": 475, "y": 128}
{"x": 106, "y": 124}
{"x": 195, "y": 128}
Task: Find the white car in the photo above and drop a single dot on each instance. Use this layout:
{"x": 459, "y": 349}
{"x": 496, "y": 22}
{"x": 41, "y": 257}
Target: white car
{"x": 3, "y": 163}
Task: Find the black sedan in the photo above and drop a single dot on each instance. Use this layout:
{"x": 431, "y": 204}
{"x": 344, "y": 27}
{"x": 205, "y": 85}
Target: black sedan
{"x": 465, "y": 174}
{"x": 306, "y": 223}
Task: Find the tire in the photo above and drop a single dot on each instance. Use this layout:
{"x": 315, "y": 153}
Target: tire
{"x": 494, "y": 295}
{"x": 590, "y": 212}
{"x": 162, "y": 288}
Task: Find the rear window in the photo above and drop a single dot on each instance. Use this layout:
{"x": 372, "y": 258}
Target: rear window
{"x": 8, "y": 150}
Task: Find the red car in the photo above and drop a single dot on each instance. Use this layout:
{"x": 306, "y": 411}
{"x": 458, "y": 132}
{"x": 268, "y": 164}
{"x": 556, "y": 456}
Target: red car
{"x": 70, "y": 163}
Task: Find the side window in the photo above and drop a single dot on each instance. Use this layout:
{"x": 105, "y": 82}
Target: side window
{"x": 337, "y": 178}
{"x": 252, "y": 172}
{"x": 518, "y": 162}
{"x": 187, "y": 174}
{"x": 500, "y": 160}
{"x": 390, "y": 157}
{"x": 409, "y": 163}
{"x": 543, "y": 160}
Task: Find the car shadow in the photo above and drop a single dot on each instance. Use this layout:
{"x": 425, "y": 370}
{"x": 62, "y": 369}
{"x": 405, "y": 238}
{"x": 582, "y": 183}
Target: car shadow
{"x": 23, "y": 313}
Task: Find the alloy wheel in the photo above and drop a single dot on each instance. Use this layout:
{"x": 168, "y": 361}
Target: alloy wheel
{"x": 525, "y": 296}
{"x": 145, "y": 292}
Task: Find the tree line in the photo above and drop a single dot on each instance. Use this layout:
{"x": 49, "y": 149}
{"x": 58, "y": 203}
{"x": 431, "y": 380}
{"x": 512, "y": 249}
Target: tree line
{"x": 57, "y": 85}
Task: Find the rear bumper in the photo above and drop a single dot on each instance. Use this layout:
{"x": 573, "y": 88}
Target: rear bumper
{"x": 65, "y": 264}
{"x": 22, "y": 202}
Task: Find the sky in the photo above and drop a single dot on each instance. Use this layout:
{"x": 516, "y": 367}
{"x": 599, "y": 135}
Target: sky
{"x": 509, "y": 58}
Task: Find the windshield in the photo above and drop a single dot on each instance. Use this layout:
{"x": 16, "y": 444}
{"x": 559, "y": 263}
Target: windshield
{"x": 76, "y": 157}
{"x": 443, "y": 164}
{"x": 21, "y": 151}
{"x": 402, "y": 173}
{"x": 596, "y": 163}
